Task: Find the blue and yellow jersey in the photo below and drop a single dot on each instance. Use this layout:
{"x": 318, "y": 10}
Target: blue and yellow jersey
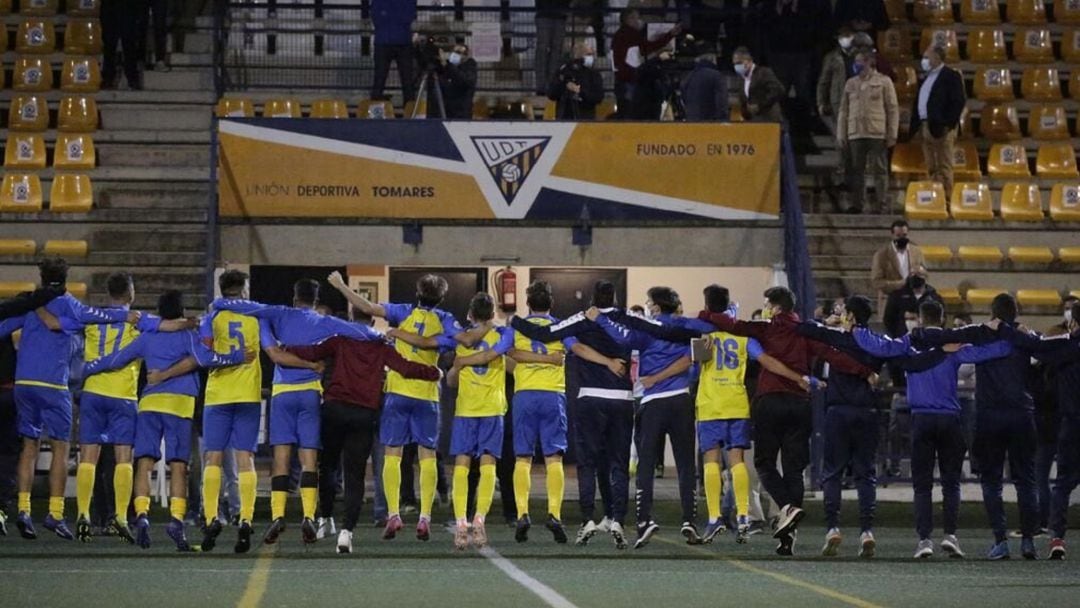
{"x": 482, "y": 388}
{"x": 426, "y": 322}
{"x": 540, "y": 376}
{"x": 721, "y": 391}
{"x": 103, "y": 339}
{"x": 227, "y": 332}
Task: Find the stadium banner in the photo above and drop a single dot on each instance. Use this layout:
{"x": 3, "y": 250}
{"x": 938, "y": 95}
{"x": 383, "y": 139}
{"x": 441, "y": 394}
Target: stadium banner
{"x": 425, "y": 169}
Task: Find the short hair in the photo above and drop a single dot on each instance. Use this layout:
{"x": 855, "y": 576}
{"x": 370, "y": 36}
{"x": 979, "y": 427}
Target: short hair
{"x": 231, "y": 282}
{"x": 118, "y": 284}
{"x": 637, "y": 309}
{"x": 54, "y": 272}
{"x": 306, "y": 291}
{"x": 845, "y": 30}
{"x": 665, "y": 298}
{"x": 170, "y": 304}
{"x": 1004, "y": 307}
{"x": 717, "y": 298}
{"x": 756, "y": 314}
{"x": 603, "y": 295}
{"x": 431, "y": 289}
{"x": 482, "y": 307}
{"x": 861, "y": 308}
{"x": 898, "y": 224}
{"x": 742, "y": 51}
{"x": 624, "y": 14}
{"x": 931, "y": 313}
{"x": 863, "y": 39}
{"x": 538, "y": 296}
{"x": 782, "y": 297}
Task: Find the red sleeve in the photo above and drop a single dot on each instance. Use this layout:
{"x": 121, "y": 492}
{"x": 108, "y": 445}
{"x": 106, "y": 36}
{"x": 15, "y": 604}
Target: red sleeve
{"x": 836, "y": 359}
{"x": 323, "y": 350}
{"x": 750, "y": 329}
{"x": 401, "y": 365}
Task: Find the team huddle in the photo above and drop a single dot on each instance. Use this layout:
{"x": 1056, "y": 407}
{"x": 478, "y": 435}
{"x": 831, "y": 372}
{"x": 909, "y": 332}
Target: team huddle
{"x": 385, "y": 388}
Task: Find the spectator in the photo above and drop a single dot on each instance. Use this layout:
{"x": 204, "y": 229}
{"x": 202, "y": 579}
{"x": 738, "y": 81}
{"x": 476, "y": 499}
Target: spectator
{"x": 895, "y": 262}
{"x": 907, "y": 299}
{"x": 792, "y": 39}
{"x": 120, "y": 26}
{"x": 577, "y": 86}
{"x": 835, "y": 71}
{"x": 1063, "y": 328}
{"x": 867, "y": 125}
{"x": 705, "y": 90}
{"x": 936, "y": 115}
{"x": 862, "y": 15}
{"x": 761, "y": 91}
{"x": 550, "y": 32}
{"x": 457, "y": 79}
{"x": 393, "y": 42}
{"x": 629, "y": 48}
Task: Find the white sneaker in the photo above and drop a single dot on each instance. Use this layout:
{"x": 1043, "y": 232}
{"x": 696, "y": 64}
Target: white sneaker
{"x": 618, "y": 535}
{"x": 867, "y": 544}
{"x": 344, "y": 542}
{"x": 326, "y": 527}
{"x": 832, "y": 543}
{"x": 585, "y": 533}
{"x": 604, "y": 525}
{"x": 925, "y": 549}
{"x": 790, "y": 516}
{"x": 951, "y": 546}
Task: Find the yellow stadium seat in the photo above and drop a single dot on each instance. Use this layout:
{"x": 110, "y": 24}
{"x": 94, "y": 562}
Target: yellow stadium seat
{"x": 925, "y": 201}
{"x": 66, "y": 249}
{"x": 375, "y": 109}
{"x": 3, "y": 38}
{"x": 980, "y": 254}
{"x": 28, "y": 113}
{"x": 1000, "y": 122}
{"x": 1021, "y": 202}
{"x": 1065, "y": 202}
{"x": 1067, "y": 12}
{"x": 82, "y": 37}
{"x": 1032, "y": 45}
{"x": 1041, "y": 84}
{"x": 234, "y": 108}
{"x": 74, "y": 152}
{"x": 933, "y": 12}
{"x": 1007, "y": 161}
{"x": 735, "y": 114}
{"x": 9, "y": 289}
{"x": 25, "y": 151}
{"x": 1048, "y": 122}
{"x": 982, "y": 297}
{"x": 1026, "y": 12}
{"x": 17, "y": 247}
{"x": 606, "y": 109}
{"x": 937, "y": 253}
{"x": 1074, "y": 84}
{"x": 1043, "y": 298}
{"x": 897, "y": 10}
{"x": 77, "y": 290}
{"x": 80, "y": 75}
{"x": 944, "y": 38}
{"x": 77, "y": 114}
{"x": 71, "y": 193}
{"x": 950, "y": 295}
{"x": 35, "y": 37}
{"x": 281, "y": 108}
{"x": 1031, "y": 255}
{"x": 329, "y": 108}
{"x": 994, "y": 84}
{"x": 967, "y": 129}
{"x": 980, "y": 12}
{"x": 32, "y": 74}
{"x": 966, "y": 161}
{"x": 1070, "y": 45}
{"x": 20, "y": 193}
{"x": 481, "y": 110}
{"x": 408, "y": 111}
{"x": 907, "y": 160}
{"x": 895, "y": 44}
{"x": 550, "y": 110}
{"x": 986, "y": 46}
{"x": 39, "y": 7}
{"x": 5, "y": 7}
{"x": 1056, "y": 161}
{"x": 971, "y": 201}
{"x": 83, "y": 8}
{"x": 907, "y": 85}
{"x": 1069, "y": 255}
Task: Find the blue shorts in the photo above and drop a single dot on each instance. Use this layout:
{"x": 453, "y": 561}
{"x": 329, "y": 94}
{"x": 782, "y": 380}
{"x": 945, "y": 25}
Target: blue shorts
{"x": 294, "y": 419}
{"x": 41, "y": 410}
{"x": 475, "y": 437}
{"x": 106, "y": 420}
{"x": 233, "y": 426}
{"x": 406, "y": 420}
{"x": 539, "y": 416}
{"x": 152, "y": 427}
{"x": 728, "y": 434}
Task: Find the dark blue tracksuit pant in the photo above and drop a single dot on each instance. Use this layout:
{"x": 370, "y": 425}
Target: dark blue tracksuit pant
{"x": 1045, "y": 455}
{"x": 1001, "y": 433}
{"x": 1068, "y": 474}
{"x": 936, "y": 438}
{"x": 604, "y": 429}
{"x": 851, "y": 438}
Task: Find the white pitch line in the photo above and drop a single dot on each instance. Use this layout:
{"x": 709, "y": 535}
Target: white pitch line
{"x": 549, "y": 595}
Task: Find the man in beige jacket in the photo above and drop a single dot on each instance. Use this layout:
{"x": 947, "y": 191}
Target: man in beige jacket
{"x": 868, "y": 123}
{"x": 894, "y": 263}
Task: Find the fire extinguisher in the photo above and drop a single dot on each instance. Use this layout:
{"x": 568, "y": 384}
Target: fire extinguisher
{"x": 505, "y": 282}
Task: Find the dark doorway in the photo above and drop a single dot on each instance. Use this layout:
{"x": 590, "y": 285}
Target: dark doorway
{"x": 274, "y": 284}
{"x": 573, "y": 287}
{"x": 464, "y": 283}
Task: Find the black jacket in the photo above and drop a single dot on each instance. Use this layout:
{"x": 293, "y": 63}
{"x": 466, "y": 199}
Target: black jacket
{"x": 28, "y": 301}
{"x": 705, "y": 93}
{"x": 580, "y": 106}
{"x": 591, "y": 375}
{"x": 1061, "y": 355}
{"x": 946, "y": 103}
{"x": 458, "y": 84}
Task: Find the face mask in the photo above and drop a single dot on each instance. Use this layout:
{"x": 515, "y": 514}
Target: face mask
{"x": 588, "y": 60}
{"x": 454, "y": 58}
{"x": 901, "y": 243}
{"x": 911, "y": 324}
{"x": 925, "y": 64}
{"x": 740, "y": 69}
{"x": 857, "y": 68}
{"x": 845, "y": 42}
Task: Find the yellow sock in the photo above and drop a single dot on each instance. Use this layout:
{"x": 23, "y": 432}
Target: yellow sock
{"x": 123, "y": 477}
{"x": 712, "y": 489}
{"x": 485, "y": 490}
{"x": 211, "y": 492}
{"x": 178, "y": 508}
{"x": 522, "y": 484}
{"x": 391, "y": 483}
{"x": 461, "y": 492}
{"x": 740, "y": 481}
{"x": 277, "y": 504}
{"x": 142, "y": 505}
{"x": 428, "y": 480}
{"x": 56, "y": 507}
{"x": 556, "y": 485}
{"x": 309, "y": 501}
{"x": 248, "y": 483}
{"x": 24, "y": 502}
{"x": 84, "y": 487}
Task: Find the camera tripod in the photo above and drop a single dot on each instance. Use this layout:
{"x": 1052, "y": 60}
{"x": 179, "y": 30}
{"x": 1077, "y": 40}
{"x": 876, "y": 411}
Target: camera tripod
{"x": 429, "y": 81}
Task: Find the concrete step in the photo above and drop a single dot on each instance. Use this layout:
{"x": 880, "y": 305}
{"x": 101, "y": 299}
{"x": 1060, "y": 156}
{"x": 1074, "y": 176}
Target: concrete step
{"x": 150, "y": 174}
{"x": 160, "y": 239}
{"x": 153, "y": 197}
{"x": 169, "y": 155}
{"x": 179, "y": 80}
{"x": 186, "y": 117}
{"x": 191, "y": 60}
{"x": 118, "y": 96}
{"x": 105, "y": 216}
{"x": 164, "y": 136}
{"x": 156, "y": 280}
{"x": 201, "y": 41}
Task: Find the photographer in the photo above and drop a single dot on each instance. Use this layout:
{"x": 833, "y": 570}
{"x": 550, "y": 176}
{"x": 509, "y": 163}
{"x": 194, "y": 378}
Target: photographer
{"x": 705, "y": 90}
{"x": 577, "y": 87}
{"x": 457, "y": 79}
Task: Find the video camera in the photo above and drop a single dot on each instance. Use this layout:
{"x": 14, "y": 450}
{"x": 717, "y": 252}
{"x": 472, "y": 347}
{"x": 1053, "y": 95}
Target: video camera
{"x": 429, "y": 49}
